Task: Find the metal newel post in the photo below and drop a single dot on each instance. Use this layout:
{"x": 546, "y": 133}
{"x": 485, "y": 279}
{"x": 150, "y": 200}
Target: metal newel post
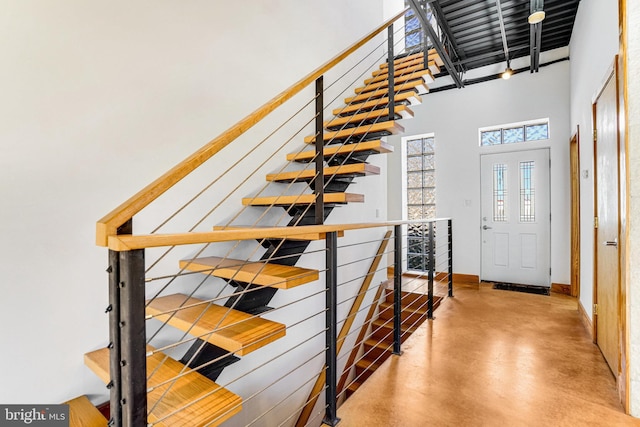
{"x": 391, "y": 69}
{"x": 318, "y": 181}
{"x": 115, "y": 383}
{"x": 397, "y": 289}
{"x": 450, "y": 234}
{"x": 431, "y": 267}
{"x": 331, "y": 334}
{"x": 133, "y": 363}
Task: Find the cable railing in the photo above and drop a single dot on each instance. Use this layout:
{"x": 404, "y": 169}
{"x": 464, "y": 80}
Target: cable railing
{"x": 176, "y": 337}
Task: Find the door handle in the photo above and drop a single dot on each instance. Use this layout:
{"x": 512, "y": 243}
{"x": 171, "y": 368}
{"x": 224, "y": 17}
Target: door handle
{"x": 486, "y": 227}
{"x": 611, "y": 243}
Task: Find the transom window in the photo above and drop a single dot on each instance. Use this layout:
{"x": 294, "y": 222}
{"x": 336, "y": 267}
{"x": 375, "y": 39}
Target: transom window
{"x": 514, "y": 133}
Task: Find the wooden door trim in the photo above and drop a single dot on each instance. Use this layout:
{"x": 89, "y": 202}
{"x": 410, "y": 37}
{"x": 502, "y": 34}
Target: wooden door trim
{"x": 575, "y": 213}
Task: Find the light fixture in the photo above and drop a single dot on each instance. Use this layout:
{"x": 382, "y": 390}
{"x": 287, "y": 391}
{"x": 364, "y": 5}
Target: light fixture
{"x": 507, "y": 73}
{"x": 537, "y": 13}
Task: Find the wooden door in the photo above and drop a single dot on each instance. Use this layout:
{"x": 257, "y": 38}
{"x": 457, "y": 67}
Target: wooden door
{"x": 607, "y": 222}
{"x": 515, "y": 218}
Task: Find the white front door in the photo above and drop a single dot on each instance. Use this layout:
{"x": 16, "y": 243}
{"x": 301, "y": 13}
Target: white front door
{"x": 515, "y": 217}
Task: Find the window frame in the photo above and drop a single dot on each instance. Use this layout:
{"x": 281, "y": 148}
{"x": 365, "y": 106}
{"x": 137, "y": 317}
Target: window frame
{"x": 510, "y": 127}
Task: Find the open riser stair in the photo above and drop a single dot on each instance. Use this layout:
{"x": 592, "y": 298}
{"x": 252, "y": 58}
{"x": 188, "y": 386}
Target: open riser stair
{"x": 183, "y": 391}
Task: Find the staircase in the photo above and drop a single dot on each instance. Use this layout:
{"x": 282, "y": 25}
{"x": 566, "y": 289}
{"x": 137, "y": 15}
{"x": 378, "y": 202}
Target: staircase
{"x": 379, "y": 345}
{"x": 223, "y": 334}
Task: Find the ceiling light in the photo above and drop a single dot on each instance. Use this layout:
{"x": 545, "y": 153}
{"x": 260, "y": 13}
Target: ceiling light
{"x": 537, "y": 16}
{"x": 508, "y": 72}
{"x": 536, "y": 12}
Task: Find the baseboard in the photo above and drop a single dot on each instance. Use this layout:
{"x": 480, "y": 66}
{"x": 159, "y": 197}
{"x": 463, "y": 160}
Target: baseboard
{"x": 561, "y": 288}
{"x": 468, "y": 278}
{"x": 585, "y": 319}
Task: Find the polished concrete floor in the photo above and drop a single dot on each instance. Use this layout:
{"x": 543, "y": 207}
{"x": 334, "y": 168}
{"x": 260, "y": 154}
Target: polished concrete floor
{"x": 493, "y": 358}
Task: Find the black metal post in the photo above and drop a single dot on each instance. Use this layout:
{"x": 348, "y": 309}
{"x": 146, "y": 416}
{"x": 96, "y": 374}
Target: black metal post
{"x": 115, "y": 383}
{"x": 318, "y": 181}
{"x": 397, "y": 288}
{"x": 450, "y": 234}
{"x": 432, "y": 263}
{"x": 115, "y": 340}
{"x": 133, "y": 363}
{"x": 331, "y": 334}
{"x": 391, "y": 70}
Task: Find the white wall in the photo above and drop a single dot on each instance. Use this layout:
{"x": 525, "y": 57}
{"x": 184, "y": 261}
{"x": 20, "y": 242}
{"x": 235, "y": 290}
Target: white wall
{"x": 592, "y": 53}
{"x": 99, "y": 99}
{"x": 633, "y": 68}
{"x": 454, "y": 116}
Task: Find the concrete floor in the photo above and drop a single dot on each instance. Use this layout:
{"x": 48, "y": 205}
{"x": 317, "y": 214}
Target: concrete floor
{"x": 493, "y": 358}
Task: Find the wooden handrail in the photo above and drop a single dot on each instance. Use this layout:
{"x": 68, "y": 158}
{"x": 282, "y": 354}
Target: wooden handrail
{"x": 108, "y": 225}
{"x": 127, "y": 242}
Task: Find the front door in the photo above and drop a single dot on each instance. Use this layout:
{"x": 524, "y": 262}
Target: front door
{"x": 515, "y": 217}
{"x": 607, "y": 269}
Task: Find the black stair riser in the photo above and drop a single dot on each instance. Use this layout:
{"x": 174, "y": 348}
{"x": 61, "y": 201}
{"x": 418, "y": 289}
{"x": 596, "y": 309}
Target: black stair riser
{"x": 207, "y": 352}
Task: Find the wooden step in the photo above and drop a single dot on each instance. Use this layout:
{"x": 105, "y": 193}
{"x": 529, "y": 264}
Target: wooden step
{"x": 433, "y": 56}
{"x": 388, "y": 127}
{"x": 416, "y": 85}
{"x": 197, "y": 400}
{"x": 256, "y": 272}
{"x": 82, "y": 413}
{"x": 303, "y": 199}
{"x": 301, "y": 237}
{"x": 378, "y": 350}
{"x": 411, "y": 97}
{"x": 382, "y": 329}
{"x": 237, "y": 332}
{"x": 380, "y": 75}
{"x": 399, "y": 110}
{"x": 347, "y": 170}
{"x": 424, "y": 74}
{"x": 434, "y": 67}
{"x": 410, "y": 317}
{"x": 367, "y": 148}
{"x": 365, "y": 368}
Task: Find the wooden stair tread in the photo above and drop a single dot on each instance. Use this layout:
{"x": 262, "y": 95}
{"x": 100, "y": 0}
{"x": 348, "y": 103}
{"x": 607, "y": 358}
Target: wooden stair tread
{"x": 255, "y": 272}
{"x": 402, "y": 110}
{"x": 424, "y": 74}
{"x": 368, "y": 365}
{"x": 380, "y": 75}
{"x": 303, "y": 199}
{"x": 233, "y": 330}
{"x": 382, "y": 345}
{"x": 353, "y": 169}
{"x": 380, "y": 323}
{"x": 434, "y": 66}
{"x": 82, "y": 413}
{"x": 198, "y": 400}
{"x": 416, "y": 84}
{"x": 376, "y": 146}
{"x": 390, "y": 126}
{"x": 301, "y": 237}
{"x": 413, "y": 308}
{"x": 410, "y": 96}
{"x": 433, "y": 56}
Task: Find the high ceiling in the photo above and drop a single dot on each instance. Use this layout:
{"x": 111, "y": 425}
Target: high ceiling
{"x": 474, "y": 28}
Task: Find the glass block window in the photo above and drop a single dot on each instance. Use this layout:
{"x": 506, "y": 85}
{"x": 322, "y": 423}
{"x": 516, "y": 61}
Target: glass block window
{"x": 527, "y": 192}
{"x": 510, "y": 134}
{"x": 500, "y": 193}
{"x": 421, "y": 198}
{"x": 413, "y": 34}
